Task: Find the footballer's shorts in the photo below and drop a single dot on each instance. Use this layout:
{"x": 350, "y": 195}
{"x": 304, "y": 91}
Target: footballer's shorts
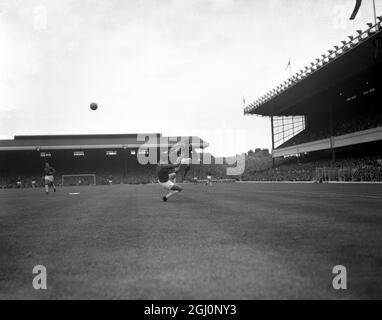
{"x": 167, "y": 185}
{"x": 49, "y": 179}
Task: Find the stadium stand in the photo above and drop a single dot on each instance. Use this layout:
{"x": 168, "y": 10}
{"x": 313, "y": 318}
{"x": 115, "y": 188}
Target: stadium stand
{"x": 348, "y": 169}
{"x": 326, "y": 119}
{"x": 347, "y": 121}
{"x": 111, "y": 158}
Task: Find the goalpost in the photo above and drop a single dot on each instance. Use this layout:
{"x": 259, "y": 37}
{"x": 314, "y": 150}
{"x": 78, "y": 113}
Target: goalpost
{"x": 78, "y": 179}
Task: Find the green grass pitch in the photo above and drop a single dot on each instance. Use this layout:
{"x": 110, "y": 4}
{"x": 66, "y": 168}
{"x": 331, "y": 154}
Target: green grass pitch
{"x": 228, "y": 241}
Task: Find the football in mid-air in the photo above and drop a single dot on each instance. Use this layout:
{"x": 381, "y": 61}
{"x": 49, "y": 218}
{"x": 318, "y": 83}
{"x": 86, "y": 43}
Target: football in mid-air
{"x": 93, "y": 106}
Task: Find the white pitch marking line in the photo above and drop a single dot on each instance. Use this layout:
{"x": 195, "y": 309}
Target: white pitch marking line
{"x": 371, "y": 196}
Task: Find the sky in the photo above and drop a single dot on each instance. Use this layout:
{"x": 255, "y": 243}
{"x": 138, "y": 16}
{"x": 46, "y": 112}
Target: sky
{"x": 176, "y": 67}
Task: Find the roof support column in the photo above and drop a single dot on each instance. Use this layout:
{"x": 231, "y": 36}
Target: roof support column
{"x": 273, "y": 140}
{"x": 331, "y": 124}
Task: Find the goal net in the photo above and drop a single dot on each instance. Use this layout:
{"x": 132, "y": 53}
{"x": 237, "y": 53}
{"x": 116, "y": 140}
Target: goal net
{"x": 79, "y": 180}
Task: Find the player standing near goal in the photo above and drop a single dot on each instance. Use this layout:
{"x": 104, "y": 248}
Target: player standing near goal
{"x": 48, "y": 177}
{"x": 209, "y": 179}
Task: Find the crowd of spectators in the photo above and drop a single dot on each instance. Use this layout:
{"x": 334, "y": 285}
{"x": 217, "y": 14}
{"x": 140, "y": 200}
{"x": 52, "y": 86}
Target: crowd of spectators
{"x": 365, "y": 169}
{"x": 344, "y": 124}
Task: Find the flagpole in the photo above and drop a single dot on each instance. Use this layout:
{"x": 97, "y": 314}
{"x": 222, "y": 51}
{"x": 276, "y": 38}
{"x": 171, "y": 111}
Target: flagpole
{"x": 289, "y": 66}
{"x": 375, "y": 13}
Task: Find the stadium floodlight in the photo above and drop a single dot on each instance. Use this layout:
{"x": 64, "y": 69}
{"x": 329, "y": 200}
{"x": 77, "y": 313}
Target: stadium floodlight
{"x": 345, "y": 45}
{"x": 337, "y": 48}
{"x": 330, "y": 52}
{"x": 379, "y": 18}
{"x": 371, "y": 30}
{"x": 351, "y": 38}
{"x": 370, "y": 25}
{"x": 359, "y": 32}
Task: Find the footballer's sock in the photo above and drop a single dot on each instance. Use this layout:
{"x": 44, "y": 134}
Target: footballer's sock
{"x": 46, "y": 189}
{"x": 54, "y": 188}
{"x": 171, "y": 194}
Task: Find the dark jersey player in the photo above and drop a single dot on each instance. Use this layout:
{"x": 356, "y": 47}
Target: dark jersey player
{"x": 166, "y": 176}
{"x": 48, "y": 177}
{"x": 185, "y": 152}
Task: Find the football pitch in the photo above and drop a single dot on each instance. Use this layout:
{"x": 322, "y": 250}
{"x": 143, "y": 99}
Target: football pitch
{"x": 228, "y": 241}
